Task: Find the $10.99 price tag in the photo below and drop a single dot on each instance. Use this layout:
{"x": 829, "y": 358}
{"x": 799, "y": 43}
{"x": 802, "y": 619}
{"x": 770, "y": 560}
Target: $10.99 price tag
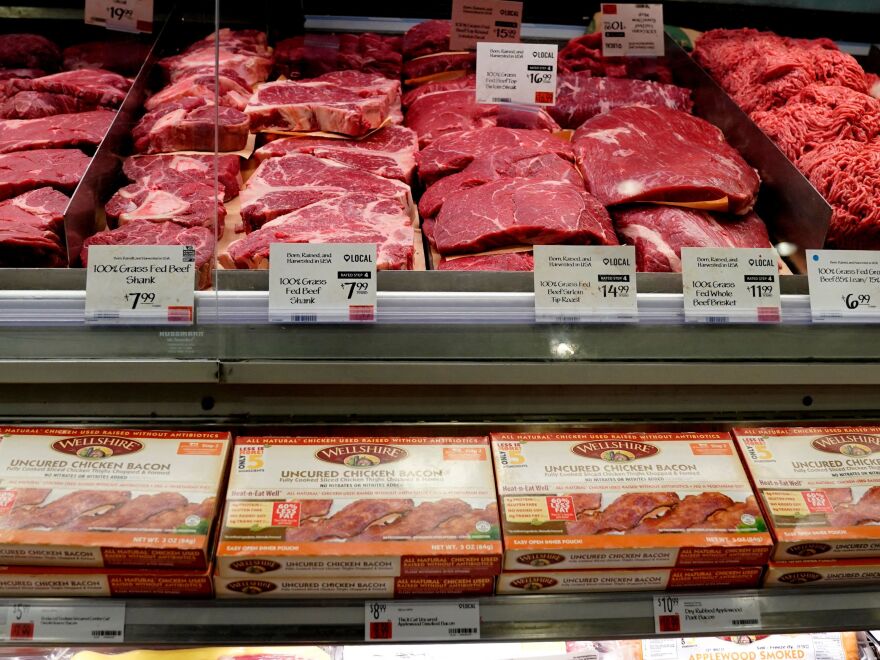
{"x": 844, "y": 285}
{"x": 122, "y": 15}
{"x": 322, "y": 283}
{"x": 705, "y": 614}
{"x": 421, "y": 621}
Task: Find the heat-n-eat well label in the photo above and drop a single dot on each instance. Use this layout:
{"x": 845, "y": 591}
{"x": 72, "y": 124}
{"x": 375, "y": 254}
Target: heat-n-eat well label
{"x": 516, "y": 73}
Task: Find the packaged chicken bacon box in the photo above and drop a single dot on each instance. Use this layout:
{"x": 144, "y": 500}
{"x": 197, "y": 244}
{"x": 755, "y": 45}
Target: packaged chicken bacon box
{"x": 820, "y": 488}
{"x": 625, "y": 500}
{"x": 112, "y": 498}
{"x": 362, "y": 507}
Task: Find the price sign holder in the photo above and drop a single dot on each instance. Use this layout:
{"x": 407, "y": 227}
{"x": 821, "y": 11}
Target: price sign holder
{"x": 723, "y": 285}
{"x": 632, "y": 30}
{"x": 577, "y": 283}
{"x": 484, "y": 20}
{"x": 322, "y": 283}
{"x": 844, "y": 285}
{"x": 140, "y": 285}
{"x": 421, "y": 621}
{"x": 516, "y": 73}
{"x": 101, "y": 622}
{"x": 705, "y": 614}
{"x": 120, "y": 15}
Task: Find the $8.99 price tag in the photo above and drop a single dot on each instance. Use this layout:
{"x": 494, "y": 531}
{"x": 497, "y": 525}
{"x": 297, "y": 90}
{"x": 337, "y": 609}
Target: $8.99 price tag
{"x": 705, "y": 614}
{"x": 421, "y": 621}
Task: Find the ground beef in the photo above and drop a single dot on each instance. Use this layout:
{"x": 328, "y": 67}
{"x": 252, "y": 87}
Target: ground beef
{"x": 846, "y": 173}
{"x": 819, "y": 114}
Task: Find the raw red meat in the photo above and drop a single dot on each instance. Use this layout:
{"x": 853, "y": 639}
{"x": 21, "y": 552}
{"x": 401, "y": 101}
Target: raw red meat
{"x": 313, "y": 55}
{"x": 248, "y": 67}
{"x": 520, "y": 212}
{"x": 125, "y": 57}
{"x": 466, "y": 81}
{"x": 33, "y": 105}
{"x": 21, "y": 171}
{"x": 152, "y": 169}
{"x": 188, "y": 125}
{"x": 819, "y": 114}
{"x": 503, "y": 261}
{"x": 585, "y": 54}
{"x": 161, "y": 233}
{"x": 239, "y": 41}
{"x": 453, "y": 152}
{"x": 579, "y": 96}
{"x": 534, "y": 163}
{"x": 282, "y": 185}
{"x": 344, "y": 218}
{"x": 439, "y": 63}
{"x": 201, "y": 85}
{"x": 659, "y": 232}
{"x": 426, "y": 37}
{"x": 634, "y": 154}
{"x": 347, "y": 102}
{"x": 89, "y": 86}
{"x": 389, "y": 152}
{"x": 28, "y": 51}
{"x": 30, "y": 230}
{"x": 846, "y": 174}
{"x": 11, "y": 74}
{"x": 435, "y": 114}
{"x": 84, "y": 129}
{"x": 872, "y": 81}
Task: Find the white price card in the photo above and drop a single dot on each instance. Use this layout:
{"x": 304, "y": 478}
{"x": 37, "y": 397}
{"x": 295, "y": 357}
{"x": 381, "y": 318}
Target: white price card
{"x": 141, "y": 285}
{"x": 101, "y": 622}
{"x": 122, "y": 15}
{"x": 421, "y": 621}
{"x": 516, "y": 73}
{"x": 484, "y": 20}
{"x": 322, "y": 283}
{"x": 723, "y": 285}
{"x": 705, "y": 614}
{"x": 576, "y": 283}
{"x": 844, "y": 285}
{"x": 632, "y": 30}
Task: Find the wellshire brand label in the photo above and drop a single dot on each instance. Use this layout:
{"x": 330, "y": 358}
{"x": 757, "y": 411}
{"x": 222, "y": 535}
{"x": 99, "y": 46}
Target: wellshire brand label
{"x": 808, "y": 549}
{"x": 848, "y": 444}
{"x": 534, "y": 583}
{"x": 540, "y": 559}
{"x": 255, "y": 566}
{"x": 800, "y": 577}
{"x": 252, "y": 587}
{"x": 362, "y": 455}
{"x": 615, "y": 451}
{"x": 96, "y": 447}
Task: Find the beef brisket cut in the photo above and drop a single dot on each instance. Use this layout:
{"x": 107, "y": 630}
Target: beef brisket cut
{"x": 153, "y": 170}
{"x": 233, "y": 94}
{"x": 21, "y": 171}
{"x": 659, "y": 232}
{"x": 188, "y": 125}
{"x": 636, "y": 154}
{"x": 28, "y": 51}
{"x": 161, "y": 233}
{"x": 389, "y": 152}
{"x": 31, "y": 226}
{"x": 346, "y": 102}
{"x": 511, "y": 212}
{"x": 85, "y": 129}
{"x": 342, "y": 218}
{"x": 502, "y": 261}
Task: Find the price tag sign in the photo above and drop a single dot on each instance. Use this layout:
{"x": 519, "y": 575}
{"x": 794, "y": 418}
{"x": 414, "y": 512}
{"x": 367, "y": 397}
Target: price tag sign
{"x": 632, "y": 30}
{"x": 516, "y": 73}
{"x": 103, "y": 622}
{"x": 705, "y": 614}
{"x": 322, "y": 283}
{"x": 575, "y": 283}
{"x": 140, "y": 285}
{"x": 721, "y": 285}
{"x": 121, "y": 15}
{"x": 484, "y": 20}
{"x": 844, "y": 285}
{"x": 421, "y": 621}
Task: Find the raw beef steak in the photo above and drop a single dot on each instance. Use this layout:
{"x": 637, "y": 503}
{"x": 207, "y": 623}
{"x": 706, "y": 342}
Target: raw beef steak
{"x": 348, "y": 218}
{"x": 282, "y": 185}
{"x": 439, "y": 63}
{"x": 188, "y": 125}
{"x": 85, "y": 129}
{"x": 21, "y": 171}
{"x": 468, "y": 81}
{"x": 504, "y": 261}
{"x": 89, "y": 86}
{"x": 635, "y": 154}
{"x": 31, "y": 226}
{"x": 389, "y": 152}
{"x": 314, "y": 55}
{"x": 659, "y": 232}
{"x": 520, "y": 212}
{"x": 433, "y": 115}
{"x": 152, "y": 170}
{"x": 585, "y": 54}
{"x": 233, "y": 94}
{"x": 239, "y": 41}
{"x": 453, "y": 152}
{"x": 534, "y": 163}
{"x": 161, "y": 233}
{"x": 122, "y": 56}
{"x": 250, "y": 68}
{"x": 14, "y": 74}
{"x": 347, "y": 102}
{"x": 33, "y": 105}
{"x": 426, "y": 37}
{"x": 579, "y": 96}
{"x": 28, "y": 51}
